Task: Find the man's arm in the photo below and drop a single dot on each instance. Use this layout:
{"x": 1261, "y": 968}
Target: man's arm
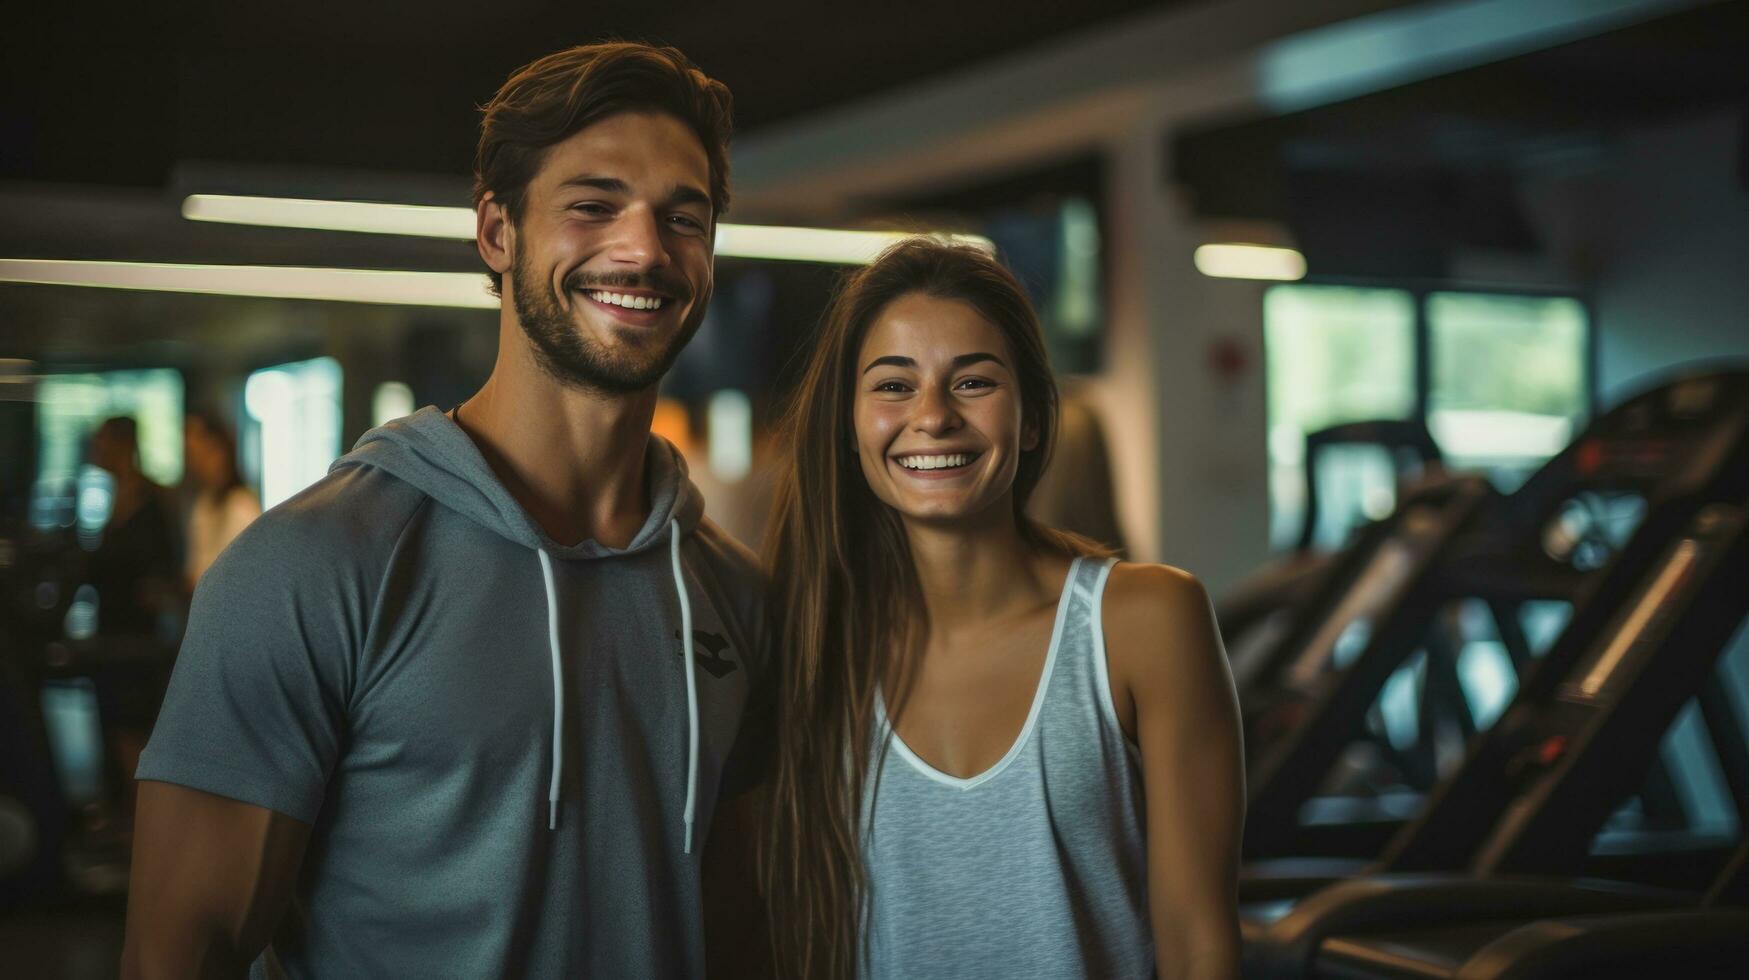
{"x": 211, "y": 878}
{"x": 1167, "y": 659}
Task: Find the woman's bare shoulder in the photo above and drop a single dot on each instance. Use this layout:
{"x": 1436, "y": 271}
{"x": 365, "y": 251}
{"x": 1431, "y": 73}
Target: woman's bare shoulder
{"x": 1152, "y": 595}
{"x": 1158, "y": 619}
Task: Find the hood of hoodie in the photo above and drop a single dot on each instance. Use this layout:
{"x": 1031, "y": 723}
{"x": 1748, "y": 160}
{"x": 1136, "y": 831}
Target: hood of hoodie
{"x": 428, "y": 450}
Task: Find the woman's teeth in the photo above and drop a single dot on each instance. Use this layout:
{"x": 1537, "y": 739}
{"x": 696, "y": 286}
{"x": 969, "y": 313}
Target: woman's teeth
{"x": 934, "y": 462}
{"x": 629, "y": 302}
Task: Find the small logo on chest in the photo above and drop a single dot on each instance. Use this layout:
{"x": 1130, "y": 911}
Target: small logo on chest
{"x": 708, "y": 649}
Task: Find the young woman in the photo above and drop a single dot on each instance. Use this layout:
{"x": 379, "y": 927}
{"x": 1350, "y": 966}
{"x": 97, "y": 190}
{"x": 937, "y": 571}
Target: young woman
{"x": 1001, "y": 754}
{"x": 223, "y": 504}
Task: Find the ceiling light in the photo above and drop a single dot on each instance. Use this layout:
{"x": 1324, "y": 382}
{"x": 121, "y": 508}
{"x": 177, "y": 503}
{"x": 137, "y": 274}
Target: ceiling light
{"x": 1233, "y": 261}
{"x": 458, "y": 289}
{"x": 733, "y": 240}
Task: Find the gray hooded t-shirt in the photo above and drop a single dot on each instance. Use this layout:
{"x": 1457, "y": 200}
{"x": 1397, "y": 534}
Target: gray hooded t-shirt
{"x": 384, "y": 655}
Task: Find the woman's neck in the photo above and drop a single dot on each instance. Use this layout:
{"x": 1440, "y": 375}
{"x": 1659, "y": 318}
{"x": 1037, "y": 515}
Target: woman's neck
{"x": 971, "y": 572}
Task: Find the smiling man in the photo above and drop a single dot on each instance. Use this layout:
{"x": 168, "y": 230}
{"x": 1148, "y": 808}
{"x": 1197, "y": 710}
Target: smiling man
{"x": 465, "y": 706}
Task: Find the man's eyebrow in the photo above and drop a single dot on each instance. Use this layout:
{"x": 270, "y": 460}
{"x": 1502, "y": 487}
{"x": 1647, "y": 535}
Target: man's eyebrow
{"x": 612, "y": 185}
{"x": 688, "y": 194}
{"x": 958, "y": 362}
{"x": 681, "y": 195}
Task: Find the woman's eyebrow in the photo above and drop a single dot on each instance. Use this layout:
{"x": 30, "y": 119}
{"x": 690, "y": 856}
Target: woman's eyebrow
{"x": 961, "y": 361}
{"x": 973, "y": 358}
{"x": 891, "y": 359}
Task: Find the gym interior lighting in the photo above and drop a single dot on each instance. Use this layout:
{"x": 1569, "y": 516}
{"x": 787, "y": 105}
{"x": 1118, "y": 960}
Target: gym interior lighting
{"x": 462, "y": 289}
{"x": 733, "y": 240}
{"x": 1233, "y": 261}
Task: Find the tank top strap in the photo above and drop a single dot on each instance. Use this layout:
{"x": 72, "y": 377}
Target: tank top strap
{"x": 1079, "y": 659}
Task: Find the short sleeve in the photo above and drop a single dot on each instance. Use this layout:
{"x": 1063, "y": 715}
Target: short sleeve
{"x": 256, "y": 704}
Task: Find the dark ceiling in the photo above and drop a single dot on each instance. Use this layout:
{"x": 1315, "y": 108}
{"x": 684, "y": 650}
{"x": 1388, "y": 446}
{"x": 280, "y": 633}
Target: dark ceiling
{"x": 1390, "y": 182}
{"x": 120, "y": 97}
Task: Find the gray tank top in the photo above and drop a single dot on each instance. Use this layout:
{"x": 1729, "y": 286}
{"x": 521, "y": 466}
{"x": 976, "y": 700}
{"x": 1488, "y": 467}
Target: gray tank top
{"x": 1033, "y": 868}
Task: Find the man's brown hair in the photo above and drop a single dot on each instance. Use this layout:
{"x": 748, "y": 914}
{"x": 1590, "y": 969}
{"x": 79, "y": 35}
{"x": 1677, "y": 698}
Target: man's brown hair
{"x": 549, "y": 100}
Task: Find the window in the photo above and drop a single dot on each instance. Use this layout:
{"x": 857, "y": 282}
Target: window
{"x": 1508, "y": 385}
{"x": 69, "y": 409}
{"x": 1501, "y": 381}
{"x": 291, "y": 426}
{"x": 1334, "y": 354}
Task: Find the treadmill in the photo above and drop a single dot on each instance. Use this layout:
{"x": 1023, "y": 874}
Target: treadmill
{"x": 1672, "y": 446}
{"x": 1708, "y": 940}
{"x": 1566, "y": 755}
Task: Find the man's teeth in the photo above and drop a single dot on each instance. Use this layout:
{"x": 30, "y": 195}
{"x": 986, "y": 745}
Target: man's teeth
{"x": 934, "y": 462}
{"x": 629, "y": 302}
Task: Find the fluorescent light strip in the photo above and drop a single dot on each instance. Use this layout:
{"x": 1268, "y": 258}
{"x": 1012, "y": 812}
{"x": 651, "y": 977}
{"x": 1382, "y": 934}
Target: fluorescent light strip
{"x": 733, "y": 241}
{"x": 1250, "y": 262}
{"x": 820, "y": 244}
{"x": 457, "y": 289}
{"x": 365, "y": 216}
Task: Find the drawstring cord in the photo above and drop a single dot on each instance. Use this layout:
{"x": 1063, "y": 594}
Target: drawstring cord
{"x": 546, "y": 568}
{"x": 691, "y": 668}
{"x": 691, "y": 681}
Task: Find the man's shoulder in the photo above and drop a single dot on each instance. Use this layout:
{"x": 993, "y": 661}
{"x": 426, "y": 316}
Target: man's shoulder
{"x": 732, "y": 569}
{"x": 728, "y": 555}
{"x": 350, "y": 516}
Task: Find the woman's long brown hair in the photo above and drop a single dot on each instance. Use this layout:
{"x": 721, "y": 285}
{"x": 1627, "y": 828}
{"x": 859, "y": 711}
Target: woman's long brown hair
{"x": 848, "y": 610}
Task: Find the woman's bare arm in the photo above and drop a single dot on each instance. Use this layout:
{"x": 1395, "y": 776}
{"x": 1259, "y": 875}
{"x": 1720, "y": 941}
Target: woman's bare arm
{"x": 1174, "y": 695}
{"x": 210, "y": 879}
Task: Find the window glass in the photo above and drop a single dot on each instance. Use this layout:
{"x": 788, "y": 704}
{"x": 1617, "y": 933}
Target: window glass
{"x": 69, "y": 409}
{"x": 1334, "y": 354}
{"x": 1508, "y": 386}
{"x": 291, "y": 426}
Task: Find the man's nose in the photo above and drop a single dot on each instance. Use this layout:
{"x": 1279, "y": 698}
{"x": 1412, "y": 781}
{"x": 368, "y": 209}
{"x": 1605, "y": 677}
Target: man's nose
{"x": 638, "y": 240}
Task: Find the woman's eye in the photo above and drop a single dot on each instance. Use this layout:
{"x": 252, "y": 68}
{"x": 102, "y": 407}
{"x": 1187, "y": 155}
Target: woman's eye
{"x": 891, "y": 386}
{"x": 974, "y": 383}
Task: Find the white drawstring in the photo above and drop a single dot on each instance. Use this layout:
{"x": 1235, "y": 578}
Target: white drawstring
{"x": 691, "y": 681}
{"x": 546, "y": 568}
{"x": 546, "y": 565}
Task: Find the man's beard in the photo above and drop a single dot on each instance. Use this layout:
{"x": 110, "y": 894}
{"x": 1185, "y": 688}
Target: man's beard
{"x": 562, "y": 349}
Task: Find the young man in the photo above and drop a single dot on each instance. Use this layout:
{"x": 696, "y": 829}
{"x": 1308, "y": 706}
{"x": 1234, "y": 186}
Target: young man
{"x": 463, "y": 707}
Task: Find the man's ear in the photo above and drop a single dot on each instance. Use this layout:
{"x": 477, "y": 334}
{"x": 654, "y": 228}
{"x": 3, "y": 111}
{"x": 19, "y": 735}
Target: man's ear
{"x": 493, "y": 233}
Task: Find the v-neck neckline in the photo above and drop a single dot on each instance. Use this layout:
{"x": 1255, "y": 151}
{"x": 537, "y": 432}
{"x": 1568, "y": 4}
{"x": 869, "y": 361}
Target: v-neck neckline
{"x": 1038, "y": 699}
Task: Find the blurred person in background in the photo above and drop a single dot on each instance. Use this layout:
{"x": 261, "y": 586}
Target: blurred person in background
{"x": 1075, "y": 491}
{"x": 133, "y": 569}
{"x": 223, "y": 505}
{"x": 1001, "y": 753}
{"x": 133, "y": 566}
{"x": 466, "y": 706}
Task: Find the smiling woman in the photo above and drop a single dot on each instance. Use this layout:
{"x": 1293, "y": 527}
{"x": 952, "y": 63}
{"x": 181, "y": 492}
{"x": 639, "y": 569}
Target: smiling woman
{"x": 975, "y": 707}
